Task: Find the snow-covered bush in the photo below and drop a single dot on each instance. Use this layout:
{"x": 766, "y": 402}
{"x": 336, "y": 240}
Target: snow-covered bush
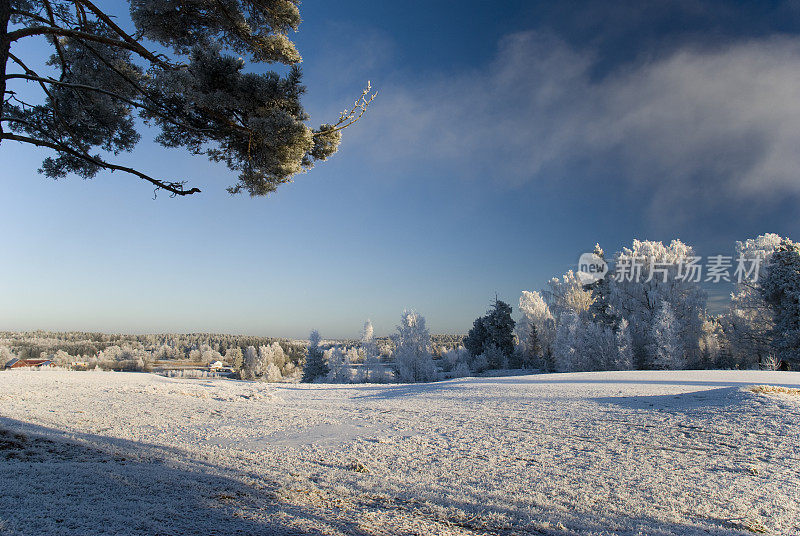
{"x": 461, "y": 370}
{"x": 371, "y": 370}
{"x": 339, "y": 365}
{"x": 454, "y": 357}
{"x": 125, "y": 358}
{"x": 62, "y": 358}
{"x": 478, "y": 363}
{"x": 273, "y": 373}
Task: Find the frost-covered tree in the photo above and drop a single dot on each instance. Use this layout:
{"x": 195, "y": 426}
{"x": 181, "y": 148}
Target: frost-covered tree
{"x": 413, "y": 361}
{"x": 710, "y": 345}
{"x": 567, "y": 295}
{"x": 210, "y": 355}
{"x": 272, "y": 373}
{"x": 339, "y": 363}
{"x": 667, "y": 345}
{"x": 371, "y": 370}
{"x": 315, "y": 365}
{"x": 596, "y": 347}
{"x": 491, "y": 358}
{"x": 271, "y": 362}
{"x": 566, "y": 343}
{"x": 234, "y": 358}
{"x": 251, "y": 369}
{"x": 781, "y": 291}
{"x": 601, "y": 310}
{"x": 183, "y": 68}
{"x": 6, "y": 355}
{"x": 749, "y": 323}
{"x": 649, "y": 274}
{"x": 62, "y": 358}
{"x": 583, "y": 345}
{"x": 535, "y": 313}
{"x": 367, "y": 332}
{"x": 623, "y": 357}
{"x": 454, "y": 357}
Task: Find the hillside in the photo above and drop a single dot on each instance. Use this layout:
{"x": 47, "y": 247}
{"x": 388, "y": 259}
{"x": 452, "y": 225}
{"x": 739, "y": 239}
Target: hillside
{"x": 685, "y": 452}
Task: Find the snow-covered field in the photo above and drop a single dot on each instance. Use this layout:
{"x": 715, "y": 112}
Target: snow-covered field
{"x": 589, "y": 453}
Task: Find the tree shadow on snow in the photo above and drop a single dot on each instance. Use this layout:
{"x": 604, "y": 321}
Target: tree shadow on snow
{"x": 792, "y": 380}
{"x": 59, "y": 483}
{"x": 722, "y": 397}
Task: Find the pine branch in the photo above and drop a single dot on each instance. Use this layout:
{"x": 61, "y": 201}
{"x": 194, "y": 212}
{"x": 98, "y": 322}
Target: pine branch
{"x": 175, "y": 188}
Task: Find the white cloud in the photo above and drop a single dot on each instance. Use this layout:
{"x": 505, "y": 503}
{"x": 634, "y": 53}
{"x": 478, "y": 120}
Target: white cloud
{"x": 700, "y": 124}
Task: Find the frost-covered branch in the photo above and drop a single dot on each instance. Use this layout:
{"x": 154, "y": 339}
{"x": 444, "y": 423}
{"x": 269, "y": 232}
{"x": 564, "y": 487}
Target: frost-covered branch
{"x": 203, "y": 99}
{"x": 351, "y": 115}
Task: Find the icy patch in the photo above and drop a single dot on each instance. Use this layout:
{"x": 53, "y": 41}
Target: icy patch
{"x": 318, "y": 435}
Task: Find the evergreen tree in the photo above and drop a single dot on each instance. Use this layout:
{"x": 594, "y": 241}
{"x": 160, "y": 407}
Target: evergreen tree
{"x": 477, "y": 336}
{"x": 533, "y": 355}
{"x": 175, "y": 70}
{"x": 493, "y": 335}
{"x": 315, "y": 365}
{"x": 601, "y": 310}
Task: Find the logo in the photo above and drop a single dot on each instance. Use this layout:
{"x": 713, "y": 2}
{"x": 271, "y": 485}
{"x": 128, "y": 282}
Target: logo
{"x": 591, "y": 268}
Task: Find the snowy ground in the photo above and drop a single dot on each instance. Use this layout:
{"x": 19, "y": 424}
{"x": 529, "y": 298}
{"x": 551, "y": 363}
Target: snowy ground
{"x": 591, "y": 453}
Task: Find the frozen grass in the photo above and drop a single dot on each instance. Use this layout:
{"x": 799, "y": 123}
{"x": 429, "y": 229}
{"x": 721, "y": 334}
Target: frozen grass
{"x": 653, "y": 453}
{"x": 775, "y": 389}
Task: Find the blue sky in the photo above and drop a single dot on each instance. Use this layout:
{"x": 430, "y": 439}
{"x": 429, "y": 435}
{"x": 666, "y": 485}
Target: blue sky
{"x": 507, "y": 138}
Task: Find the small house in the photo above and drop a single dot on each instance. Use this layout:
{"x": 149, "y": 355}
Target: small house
{"x": 29, "y": 363}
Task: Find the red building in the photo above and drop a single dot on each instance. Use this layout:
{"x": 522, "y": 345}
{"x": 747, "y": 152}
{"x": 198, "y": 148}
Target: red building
{"x": 29, "y": 363}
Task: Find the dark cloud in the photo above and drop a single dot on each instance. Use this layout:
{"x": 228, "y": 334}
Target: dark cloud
{"x": 695, "y": 128}
{"x": 626, "y": 31}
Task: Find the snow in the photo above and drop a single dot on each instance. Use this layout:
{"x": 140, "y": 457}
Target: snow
{"x": 656, "y": 453}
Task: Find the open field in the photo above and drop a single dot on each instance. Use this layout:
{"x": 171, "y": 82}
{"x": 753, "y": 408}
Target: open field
{"x": 684, "y": 452}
